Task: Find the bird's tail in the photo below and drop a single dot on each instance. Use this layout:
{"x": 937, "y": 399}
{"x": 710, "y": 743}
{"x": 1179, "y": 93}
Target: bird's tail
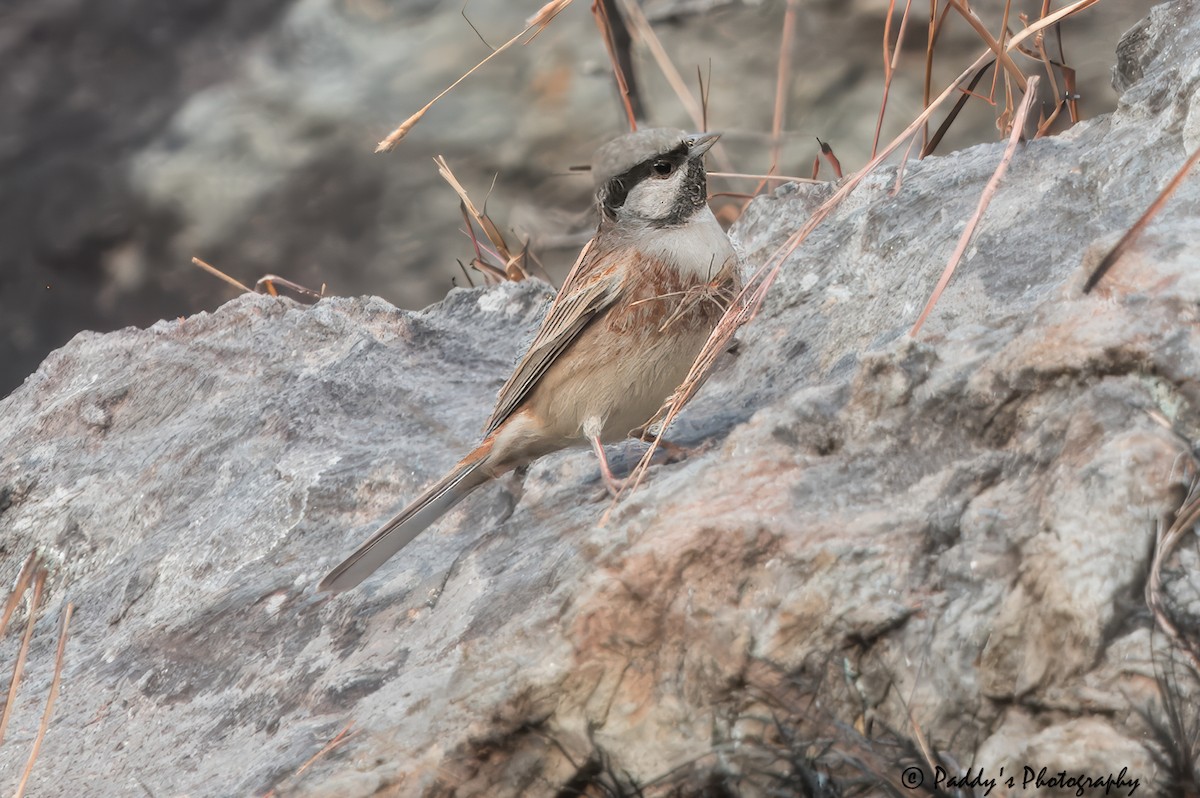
{"x": 412, "y": 520}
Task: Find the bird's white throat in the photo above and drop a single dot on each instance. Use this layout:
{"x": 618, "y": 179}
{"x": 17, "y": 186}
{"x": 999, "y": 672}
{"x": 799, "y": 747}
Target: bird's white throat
{"x": 698, "y": 248}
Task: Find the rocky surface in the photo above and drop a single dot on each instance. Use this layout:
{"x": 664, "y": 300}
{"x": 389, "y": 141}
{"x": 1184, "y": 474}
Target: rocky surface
{"x": 137, "y": 134}
{"x": 876, "y": 535}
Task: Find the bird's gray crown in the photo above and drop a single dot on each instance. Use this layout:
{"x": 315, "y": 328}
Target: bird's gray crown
{"x": 625, "y": 152}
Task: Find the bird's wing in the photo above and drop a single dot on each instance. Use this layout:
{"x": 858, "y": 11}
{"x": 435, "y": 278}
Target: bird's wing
{"x": 589, "y": 289}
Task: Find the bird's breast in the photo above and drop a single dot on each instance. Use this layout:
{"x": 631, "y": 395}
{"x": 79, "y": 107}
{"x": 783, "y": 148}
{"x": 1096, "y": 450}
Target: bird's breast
{"x": 677, "y": 283}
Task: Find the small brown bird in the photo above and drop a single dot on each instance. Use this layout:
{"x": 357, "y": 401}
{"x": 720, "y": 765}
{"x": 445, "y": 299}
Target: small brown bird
{"x": 620, "y": 337}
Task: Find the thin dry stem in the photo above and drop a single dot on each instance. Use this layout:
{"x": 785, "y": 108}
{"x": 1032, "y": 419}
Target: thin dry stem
{"x": 50, "y": 699}
{"x": 448, "y": 176}
{"x": 39, "y": 582}
{"x": 1167, "y": 539}
{"x": 773, "y": 178}
{"x": 935, "y": 28}
{"x": 539, "y": 21}
{"x": 1132, "y": 234}
{"x": 1002, "y": 53}
{"x": 932, "y": 143}
{"x": 708, "y": 293}
{"x": 1003, "y": 36}
{"x": 1044, "y": 127}
{"x": 638, "y": 22}
{"x": 1047, "y": 21}
{"x": 782, "y": 78}
{"x": 887, "y": 71}
{"x": 1070, "y": 95}
{"x": 984, "y": 200}
{"x": 1039, "y": 42}
{"x": 606, "y": 33}
{"x": 339, "y": 739}
{"x": 1004, "y": 121}
{"x": 890, "y": 63}
{"x": 513, "y": 268}
{"x": 267, "y": 283}
{"x": 543, "y": 16}
{"x": 463, "y": 13}
{"x": 900, "y": 169}
{"x": 215, "y": 272}
{"x": 14, "y": 597}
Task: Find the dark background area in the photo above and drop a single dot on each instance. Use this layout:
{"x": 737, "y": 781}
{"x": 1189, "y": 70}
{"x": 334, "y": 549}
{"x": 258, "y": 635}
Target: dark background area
{"x": 136, "y": 134}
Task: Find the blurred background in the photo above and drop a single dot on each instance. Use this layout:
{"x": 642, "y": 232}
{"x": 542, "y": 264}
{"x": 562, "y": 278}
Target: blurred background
{"x": 136, "y": 134}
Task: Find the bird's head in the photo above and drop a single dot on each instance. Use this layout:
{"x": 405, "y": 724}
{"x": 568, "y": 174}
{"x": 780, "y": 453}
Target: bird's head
{"x": 653, "y": 177}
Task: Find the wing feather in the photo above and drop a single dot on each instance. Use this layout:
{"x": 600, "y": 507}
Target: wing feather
{"x": 588, "y": 290}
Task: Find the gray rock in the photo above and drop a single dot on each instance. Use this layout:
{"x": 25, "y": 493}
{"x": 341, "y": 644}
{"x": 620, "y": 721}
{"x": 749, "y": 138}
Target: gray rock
{"x": 875, "y": 532}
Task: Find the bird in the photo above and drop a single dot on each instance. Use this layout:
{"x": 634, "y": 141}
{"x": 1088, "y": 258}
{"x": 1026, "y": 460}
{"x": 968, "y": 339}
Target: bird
{"x": 624, "y": 330}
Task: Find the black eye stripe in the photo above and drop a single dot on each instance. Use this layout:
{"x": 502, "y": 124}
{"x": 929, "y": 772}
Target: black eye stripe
{"x": 616, "y": 190}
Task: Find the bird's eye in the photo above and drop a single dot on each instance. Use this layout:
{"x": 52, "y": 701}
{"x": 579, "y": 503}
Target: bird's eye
{"x": 662, "y": 168}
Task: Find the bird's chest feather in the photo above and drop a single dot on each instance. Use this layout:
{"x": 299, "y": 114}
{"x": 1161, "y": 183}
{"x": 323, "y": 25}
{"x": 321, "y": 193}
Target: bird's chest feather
{"x": 681, "y": 278}
{"x": 677, "y": 283}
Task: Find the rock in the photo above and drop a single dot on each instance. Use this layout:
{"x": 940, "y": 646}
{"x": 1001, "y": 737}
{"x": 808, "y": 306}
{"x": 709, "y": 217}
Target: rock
{"x": 876, "y": 534}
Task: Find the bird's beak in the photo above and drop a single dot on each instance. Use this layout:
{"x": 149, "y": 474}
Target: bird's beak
{"x": 700, "y": 143}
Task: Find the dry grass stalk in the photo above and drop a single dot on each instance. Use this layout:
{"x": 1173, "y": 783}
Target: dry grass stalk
{"x": 512, "y": 265}
{"x": 491, "y": 273}
{"x": 748, "y": 302}
{"x": 642, "y": 27}
{"x": 638, "y": 23}
{"x": 1132, "y": 234}
{"x": 220, "y": 275}
{"x": 339, "y": 739}
{"x": 39, "y": 583}
{"x": 1167, "y": 538}
{"x": 50, "y": 699}
{"x": 996, "y": 47}
{"x": 1003, "y": 36}
{"x": 931, "y": 36}
{"x": 600, "y": 13}
{"x": 536, "y": 23}
{"x": 266, "y": 284}
{"x": 771, "y": 178}
{"x": 1039, "y": 45}
{"x": 1072, "y": 96}
{"x": 933, "y": 142}
{"x": 1048, "y": 20}
{"x": 711, "y": 292}
{"x": 1064, "y": 94}
{"x": 891, "y": 61}
{"x": 902, "y": 166}
{"x": 14, "y": 597}
{"x": 782, "y": 79}
{"x": 984, "y": 199}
